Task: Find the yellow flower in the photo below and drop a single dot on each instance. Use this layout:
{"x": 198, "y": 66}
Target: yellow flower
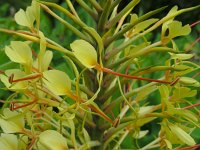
{"x": 19, "y": 52}
{"x": 11, "y": 121}
{"x": 51, "y": 140}
{"x": 85, "y": 53}
{"x": 28, "y": 17}
{"x": 8, "y": 142}
{"x": 16, "y": 74}
{"x": 57, "y": 82}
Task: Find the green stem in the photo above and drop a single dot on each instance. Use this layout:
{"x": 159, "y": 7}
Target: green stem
{"x": 113, "y": 132}
{"x": 67, "y": 13}
{"x": 88, "y": 9}
{"x": 148, "y": 146}
{"x": 131, "y": 25}
{"x": 84, "y": 89}
{"x": 155, "y": 26}
{"x": 109, "y": 107}
{"x": 96, "y": 5}
{"x": 114, "y": 4}
{"x": 104, "y": 16}
{"x": 69, "y": 26}
{"x": 142, "y": 52}
{"x": 112, "y": 22}
{"x": 121, "y": 139}
{"x": 34, "y": 38}
{"x": 71, "y": 7}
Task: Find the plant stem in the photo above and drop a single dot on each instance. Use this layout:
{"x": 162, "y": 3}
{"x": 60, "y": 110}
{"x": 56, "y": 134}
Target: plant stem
{"x": 88, "y": 9}
{"x": 96, "y": 5}
{"x": 142, "y": 52}
{"x": 34, "y": 38}
{"x": 121, "y": 139}
{"x": 67, "y": 13}
{"x": 68, "y": 25}
{"x": 113, "y": 22}
{"x": 131, "y": 25}
{"x": 109, "y": 107}
{"x": 148, "y": 146}
{"x": 114, "y": 4}
{"x": 104, "y": 15}
{"x": 70, "y": 5}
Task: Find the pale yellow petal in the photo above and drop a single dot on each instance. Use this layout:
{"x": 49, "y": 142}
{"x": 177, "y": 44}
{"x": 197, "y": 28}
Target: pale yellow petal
{"x": 11, "y": 139}
{"x": 47, "y": 60}
{"x": 23, "y": 49}
{"x": 85, "y": 53}
{"x": 57, "y": 81}
{"x": 14, "y": 56}
{"x": 52, "y": 140}
{"x": 20, "y": 18}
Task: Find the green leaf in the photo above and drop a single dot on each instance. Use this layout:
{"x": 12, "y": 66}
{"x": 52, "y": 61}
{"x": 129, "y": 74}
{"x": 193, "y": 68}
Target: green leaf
{"x": 85, "y": 53}
{"x": 181, "y": 135}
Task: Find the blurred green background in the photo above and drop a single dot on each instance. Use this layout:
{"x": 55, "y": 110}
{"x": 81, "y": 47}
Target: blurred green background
{"x": 56, "y": 31}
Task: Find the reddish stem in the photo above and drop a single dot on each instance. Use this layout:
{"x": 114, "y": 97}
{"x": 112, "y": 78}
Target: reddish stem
{"x": 193, "y": 43}
{"x": 190, "y": 147}
{"x": 195, "y": 23}
{"x": 191, "y": 106}
{"x": 100, "y": 113}
{"x": 133, "y": 77}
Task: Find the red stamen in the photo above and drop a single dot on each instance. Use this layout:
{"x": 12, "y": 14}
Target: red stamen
{"x": 134, "y": 77}
{"x": 27, "y": 78}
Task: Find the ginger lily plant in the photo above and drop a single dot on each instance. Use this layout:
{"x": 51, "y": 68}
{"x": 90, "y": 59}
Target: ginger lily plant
{"x": 107, "y": 99}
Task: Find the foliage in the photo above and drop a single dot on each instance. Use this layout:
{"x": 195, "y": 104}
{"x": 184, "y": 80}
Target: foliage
{"x": 101, "y": 97}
